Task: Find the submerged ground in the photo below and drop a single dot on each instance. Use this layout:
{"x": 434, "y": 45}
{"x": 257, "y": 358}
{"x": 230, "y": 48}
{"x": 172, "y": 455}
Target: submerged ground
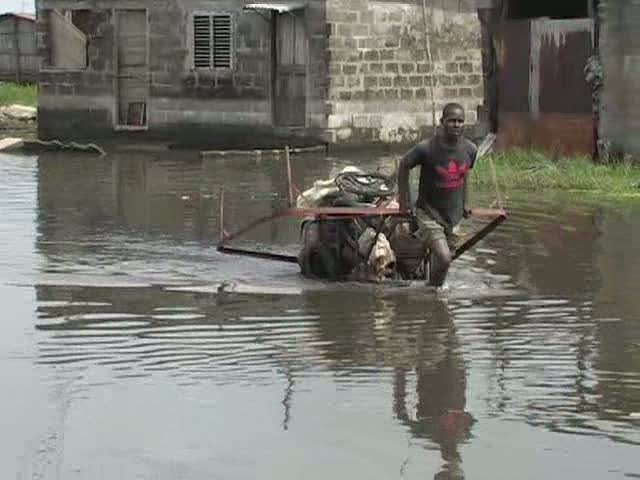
{"x": 120, "y": 356}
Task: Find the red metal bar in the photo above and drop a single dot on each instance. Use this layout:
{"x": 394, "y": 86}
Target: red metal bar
{"x": 496, "y": 217}
{"x": 342, "y": 212}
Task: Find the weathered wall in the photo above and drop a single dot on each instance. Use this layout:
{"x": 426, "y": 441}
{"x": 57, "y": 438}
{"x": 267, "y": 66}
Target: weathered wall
{"x": 380, "y": 76}
{"x": 620, "y": 54}
{"x": 183, "y": 101}
{"x": 18, "y": 55}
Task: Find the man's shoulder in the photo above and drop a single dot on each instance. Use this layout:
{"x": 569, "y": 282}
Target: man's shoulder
{"x": 425, "y": 144}
{"x": 468, "y": 145}
{"x": 422, "y": 149}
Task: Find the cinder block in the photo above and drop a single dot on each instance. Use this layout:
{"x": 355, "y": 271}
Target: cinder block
{"x": 408, "y": 67}
{"x": 416, "y": 81}
{"x": 372, "y": 56}
{"x": 360, "y": 121}
{"x": 349, "y": 69}
{"x": 375, "y": 68}
{"x": 452, "y": 68}
{"x": 400, "y": 81}
{"x": 375, "y": 121}
{"x": 387, "y": 54}
{"x": 360, "y": 30}
{"x": 466, "y": 67}
{"x": 339, "y": 121}
{"x": 406, "y": 94}
{"x": 370, "y": 82}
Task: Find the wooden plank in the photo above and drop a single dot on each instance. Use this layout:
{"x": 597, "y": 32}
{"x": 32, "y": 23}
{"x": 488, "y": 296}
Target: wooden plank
{"x": 9, "y": 143}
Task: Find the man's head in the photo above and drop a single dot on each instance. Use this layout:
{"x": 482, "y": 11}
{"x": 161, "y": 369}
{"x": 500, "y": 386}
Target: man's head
{"x": 452, "y": 120}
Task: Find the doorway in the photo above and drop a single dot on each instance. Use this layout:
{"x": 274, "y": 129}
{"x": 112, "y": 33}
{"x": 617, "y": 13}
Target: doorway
{"x": 290, "y": 69}
{"x": 555, "y": 9}
{"x": 132, "y": 69}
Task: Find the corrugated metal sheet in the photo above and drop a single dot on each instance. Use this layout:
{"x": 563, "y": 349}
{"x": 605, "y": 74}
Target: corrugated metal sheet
{"x": 514, "y": 53}
{"x": 544, "y": 100}
{"x": 564, "y": 50}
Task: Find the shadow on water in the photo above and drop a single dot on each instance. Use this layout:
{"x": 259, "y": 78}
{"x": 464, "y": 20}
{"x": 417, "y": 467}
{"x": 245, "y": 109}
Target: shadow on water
{"x": 539, "y": 328}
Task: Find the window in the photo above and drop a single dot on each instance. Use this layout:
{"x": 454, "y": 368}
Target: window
{"x": 213, "y": 41}
{"x": 557, "y": 9}
{"x": 68, "y": 44}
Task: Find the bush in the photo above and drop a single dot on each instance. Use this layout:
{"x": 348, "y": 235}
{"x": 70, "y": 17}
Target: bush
{"x": 13, "y": 93}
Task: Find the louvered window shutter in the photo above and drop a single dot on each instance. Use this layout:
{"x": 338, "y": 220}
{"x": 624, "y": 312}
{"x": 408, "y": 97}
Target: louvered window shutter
{"x": 222, "y": 41}
{"x": 213, "y": 41}
{"x": 202, "y": 41}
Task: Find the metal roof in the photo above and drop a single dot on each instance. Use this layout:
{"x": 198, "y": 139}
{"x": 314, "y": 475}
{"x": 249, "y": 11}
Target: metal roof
{"x": 276, "y": 7}
{"x": 25, "y": 16}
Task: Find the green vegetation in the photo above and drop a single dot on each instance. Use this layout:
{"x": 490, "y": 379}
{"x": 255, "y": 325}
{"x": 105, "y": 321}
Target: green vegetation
{"x": 13, "y": 93}
{"x": 530, "y": 170}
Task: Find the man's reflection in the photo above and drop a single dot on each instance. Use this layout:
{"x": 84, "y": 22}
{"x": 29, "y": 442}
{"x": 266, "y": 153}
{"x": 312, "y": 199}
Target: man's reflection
{"x": 419, "y": 340}
{"x": 440, "y": 388}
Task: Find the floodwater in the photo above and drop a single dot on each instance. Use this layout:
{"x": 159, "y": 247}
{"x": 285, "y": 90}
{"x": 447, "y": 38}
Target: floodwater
{"x": 130, "y": 348}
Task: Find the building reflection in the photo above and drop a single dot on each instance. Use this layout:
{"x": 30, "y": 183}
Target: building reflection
{"x": 169, "y": 194}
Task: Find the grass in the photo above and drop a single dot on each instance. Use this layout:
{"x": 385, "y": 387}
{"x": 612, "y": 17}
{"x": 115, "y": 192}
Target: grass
{"x": 530, "y": 170}
{"x": 13, "y": 93}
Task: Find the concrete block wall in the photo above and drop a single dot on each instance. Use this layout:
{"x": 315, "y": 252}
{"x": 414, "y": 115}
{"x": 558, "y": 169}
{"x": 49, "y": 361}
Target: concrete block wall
{"x": 380, "y": 76}
{"x": 183, "y": 101}
{"x": 76, "y": 103}
{"x": 182, "y": 94}
{"x": 620, "y": 108}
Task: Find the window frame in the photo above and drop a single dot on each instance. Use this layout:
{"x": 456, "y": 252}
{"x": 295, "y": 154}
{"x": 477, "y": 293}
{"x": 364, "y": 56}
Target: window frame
{"x": 192, "y": 47}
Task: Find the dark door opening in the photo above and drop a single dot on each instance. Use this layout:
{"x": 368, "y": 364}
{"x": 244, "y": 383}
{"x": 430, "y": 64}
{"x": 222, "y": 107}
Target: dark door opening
{"x": 556, "y": 9}
{"x": 290, "y": 69}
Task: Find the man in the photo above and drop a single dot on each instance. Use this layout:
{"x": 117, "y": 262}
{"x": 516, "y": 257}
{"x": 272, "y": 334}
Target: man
{"x": 444, "y": 163}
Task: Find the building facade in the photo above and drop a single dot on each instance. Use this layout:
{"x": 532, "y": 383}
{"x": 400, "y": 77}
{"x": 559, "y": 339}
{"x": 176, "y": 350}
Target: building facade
{"x": 218, "y": 71}
{"x": 18, "y": 53}
{"x": 620, "y": 57}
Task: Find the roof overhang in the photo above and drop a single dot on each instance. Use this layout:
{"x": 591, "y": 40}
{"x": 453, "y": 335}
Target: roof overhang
{"x": 24, "y": 16}
{"x": 275, "y": 7}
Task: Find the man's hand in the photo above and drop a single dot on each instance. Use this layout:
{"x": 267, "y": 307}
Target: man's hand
{"x": 405, "y": 208}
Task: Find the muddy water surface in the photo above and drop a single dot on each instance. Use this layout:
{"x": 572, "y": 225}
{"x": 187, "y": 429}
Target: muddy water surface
{"x": 129, "y": 348}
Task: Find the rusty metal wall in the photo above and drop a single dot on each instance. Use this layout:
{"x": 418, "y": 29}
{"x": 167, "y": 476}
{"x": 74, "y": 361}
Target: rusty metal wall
{"x": 514, "y": 54}
{"x": 620, "y": 53}
{"x": 544, "y": 99}
{"x": 564, "y": 50}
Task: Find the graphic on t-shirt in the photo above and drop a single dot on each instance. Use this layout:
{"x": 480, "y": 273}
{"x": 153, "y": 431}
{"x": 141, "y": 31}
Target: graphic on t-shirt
{"x": 452, "y": 178}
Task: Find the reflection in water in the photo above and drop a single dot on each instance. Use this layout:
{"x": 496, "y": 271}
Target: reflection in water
{"x": 123, "y": 268}
{"x": 407, "y": 337}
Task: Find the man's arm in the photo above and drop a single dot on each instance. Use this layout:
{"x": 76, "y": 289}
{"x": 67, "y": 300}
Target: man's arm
{"x": 466, "y": 210}
{"x": 410, "y": 160}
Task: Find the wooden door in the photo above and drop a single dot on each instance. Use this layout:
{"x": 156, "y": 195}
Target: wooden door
{"x": 291, "y": 60}
{"x": 133, "y": 84}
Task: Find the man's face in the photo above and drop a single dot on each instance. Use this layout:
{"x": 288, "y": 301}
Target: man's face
{"x": 453, "y": 123}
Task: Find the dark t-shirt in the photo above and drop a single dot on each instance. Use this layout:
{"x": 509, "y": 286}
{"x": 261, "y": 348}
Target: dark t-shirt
{"x": 443, "y": 171}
